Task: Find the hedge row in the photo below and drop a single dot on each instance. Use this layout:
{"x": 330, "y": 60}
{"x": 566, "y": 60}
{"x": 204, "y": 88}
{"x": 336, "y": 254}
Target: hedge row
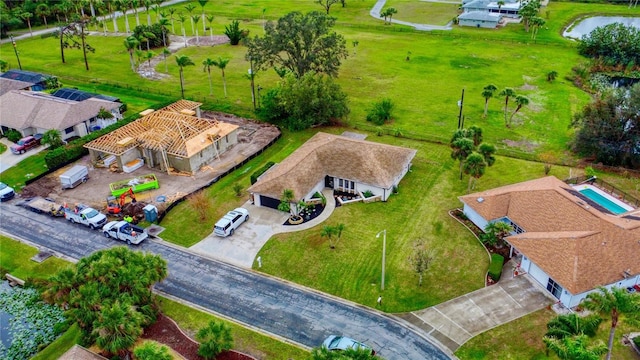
{"x": 256, "y": 174}
{"x": 495, "y": 269}
{"x": 69, "y": 153}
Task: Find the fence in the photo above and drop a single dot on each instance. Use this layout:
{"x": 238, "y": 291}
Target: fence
{"x": 605, "y": 186}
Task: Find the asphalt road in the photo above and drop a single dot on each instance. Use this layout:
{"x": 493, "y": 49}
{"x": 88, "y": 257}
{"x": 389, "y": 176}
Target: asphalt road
{"x": 288, "y": 311}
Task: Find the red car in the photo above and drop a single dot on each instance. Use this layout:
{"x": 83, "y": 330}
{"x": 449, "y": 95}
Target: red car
{"x": 25, "y": 144}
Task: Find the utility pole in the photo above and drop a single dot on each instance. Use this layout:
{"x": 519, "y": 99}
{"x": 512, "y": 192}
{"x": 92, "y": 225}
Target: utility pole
{"x": 15, "y": 49}
{"x": 460, "y": 105}
{"x": 253, "y": 91}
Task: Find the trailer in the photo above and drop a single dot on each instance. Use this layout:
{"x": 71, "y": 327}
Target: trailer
{"x": 74, "y": 177}
{"x": 42, "y": 205}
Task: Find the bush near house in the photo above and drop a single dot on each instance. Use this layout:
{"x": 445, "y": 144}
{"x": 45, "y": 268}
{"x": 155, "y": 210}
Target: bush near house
{"x": 256, "y": 174}
{"x": 495, "y": 269}
{"x": 636, "y": 340}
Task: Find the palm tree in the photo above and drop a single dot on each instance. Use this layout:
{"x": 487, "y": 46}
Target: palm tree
{"x": 328, "y": 232}
{"x": 123, "y": 6}
{"x": 147, "y": 5}
{"x": 552, "y": 75}
{"x": 210, "y": 21}
{"x": 500, "y": 4}
{"x": 497, "y": 231}
{"x": 507, "y": 93}
{"x": 208, "y": 63}
{"x": 166, "y": 52}
{"x": 537, "y": 23}
{"x": 221, "y": 64}
{"x": 487, "y": 93}
{"x": 194, "y": 20}
{"x": 134, "y": 6}
{"x": 474, "y": 166}
{"x": 164, "y": 22}
{"x": 487, "y": 151}
{"x": 131, "y": 43}
{"x": 461, "y": 149}
{"x": 25, "y": 15}
{"x": 42, "y": 10}
{"x": 182, "y": 61}
{"x": 202, "y": 5}
{"x": 181, "y": 19}
{"x": 118, "y": 329}
{"x": 572, "y": 348}
{"x": 190, "y": 8}
{"x": 571, "y": 325}
{"x": 214, "y": 339}
{"x": 148, "y": 56}
{"x": 521, "y": 100}
{"x": 172, "y": 12}
{"x": 614, "y": 302}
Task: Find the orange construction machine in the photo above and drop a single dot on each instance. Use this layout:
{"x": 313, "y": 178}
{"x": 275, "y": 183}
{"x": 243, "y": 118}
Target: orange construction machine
{"x": 115, "y": 207}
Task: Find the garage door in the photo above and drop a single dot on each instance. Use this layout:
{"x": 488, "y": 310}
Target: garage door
{"x": 269, "y": 202}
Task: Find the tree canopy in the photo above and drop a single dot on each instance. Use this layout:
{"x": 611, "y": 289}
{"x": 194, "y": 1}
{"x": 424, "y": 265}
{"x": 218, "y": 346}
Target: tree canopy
{"x": 299, "y": 43}
{"x": 614, "y": 43}
{"x": 609, "y": 128}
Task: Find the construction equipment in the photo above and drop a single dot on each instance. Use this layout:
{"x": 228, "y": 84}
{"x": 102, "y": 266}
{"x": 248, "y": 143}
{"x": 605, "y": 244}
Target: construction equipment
{"x": 115, "y": 207}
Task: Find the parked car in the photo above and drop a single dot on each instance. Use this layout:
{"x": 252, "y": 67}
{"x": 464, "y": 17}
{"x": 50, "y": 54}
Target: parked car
{"x": 6, "y": 192}
{"x": 24, "y": 144}
{"x": 230, "y": 222}
{"x": 341, "y": 343}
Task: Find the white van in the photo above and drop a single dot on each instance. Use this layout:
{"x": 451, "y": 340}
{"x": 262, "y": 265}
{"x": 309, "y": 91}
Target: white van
{"x": 226, "y": 226}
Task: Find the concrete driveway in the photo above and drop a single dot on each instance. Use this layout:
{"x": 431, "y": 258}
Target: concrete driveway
{"x": 9, "y": 159}
{"x": 241, "y": 248}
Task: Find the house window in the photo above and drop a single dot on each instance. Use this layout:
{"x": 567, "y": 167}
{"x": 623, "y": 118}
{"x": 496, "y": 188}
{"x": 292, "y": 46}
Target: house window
{"x": 554, "y": 288}
{"x": 217, "y": 145}
{"x": 226, "y": 139}
{"x": 353, "y": 185}
{"x": 68, "y": 130}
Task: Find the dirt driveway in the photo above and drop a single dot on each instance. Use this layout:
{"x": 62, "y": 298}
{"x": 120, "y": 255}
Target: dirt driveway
{"x": 252, "y": 137}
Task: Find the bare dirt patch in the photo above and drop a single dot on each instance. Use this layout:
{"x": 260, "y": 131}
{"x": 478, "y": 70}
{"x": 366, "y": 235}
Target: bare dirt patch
{"x": 252, "y": 138}
{"x": 523, "y": 145}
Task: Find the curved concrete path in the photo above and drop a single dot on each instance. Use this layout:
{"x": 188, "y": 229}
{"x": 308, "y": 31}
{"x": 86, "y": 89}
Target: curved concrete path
{"x": 375, "y": 12}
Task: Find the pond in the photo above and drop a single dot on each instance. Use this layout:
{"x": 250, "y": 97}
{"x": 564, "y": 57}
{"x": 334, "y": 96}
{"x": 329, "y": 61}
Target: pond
{"x": 585, "y": 26}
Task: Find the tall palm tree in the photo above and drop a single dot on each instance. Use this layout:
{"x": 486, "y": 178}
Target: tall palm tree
{"x": 487, "y": 93}
{"x": 507, "y": 93}
{"x": 25, "y": 15}
{"x": 147, "y": 5}
{"x": 474, "y": 166}
{"x": 190, "y": 8}
{"x": 572, "y": 348}
{"x": 119, "y": 328}
{"x": 614, "y": 302}
{"x": 571, "y": 325}
{"x": 166, "y": 52}
{"x": 172, "y": 12}
{"x": 164, "y": 22}
{"x": 123, "y": 7}
{"x": 134, "y": 6}
{"x": 461, "y": 149}
{"x": 221, "y": 63}
{"x": 131, "y": 43}
{"x": 203, "y": 3}
{"x": 194, "y": 20}
{"x": 500, "y": 4}
{"x": 487, "y": 151}
{"x": 182, "y": 61}
{"x": 208, "y": 63}
{"x": 42, "y": 10}
{"x": 521, "y": 101}
{"x": 210, "y": 21}
{"x": 181, "y": 19}
{"x": 537, "y": 23}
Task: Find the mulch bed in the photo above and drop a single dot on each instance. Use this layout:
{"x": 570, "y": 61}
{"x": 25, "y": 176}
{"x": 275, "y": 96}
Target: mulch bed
{"x": 167, "y": 332}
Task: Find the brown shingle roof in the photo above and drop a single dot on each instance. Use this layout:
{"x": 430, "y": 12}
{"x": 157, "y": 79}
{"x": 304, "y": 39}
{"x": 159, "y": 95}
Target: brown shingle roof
{"x": 577, "y": 245}
{"x": 325, "y": 154}
{"x": 178, "y": 134}
{"x": 23, "y": 109}
{"x": 7, "y": 85}
{"x": 78, "y": 352}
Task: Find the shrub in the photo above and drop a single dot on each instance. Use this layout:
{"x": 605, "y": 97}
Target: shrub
{"x": 495, "y": 268}
{"x": 237, "y": 189}
{"x": 367, "y": 194}
{"x": 214, "y": 339}
{"x": 636, "y": 340}
{"x": 256, "y": 174}
{"x": 380, "y": 112}
{"x": 151, "y": 351}
{"x": 13, "y": 135}
{"x": 234, "y": 33}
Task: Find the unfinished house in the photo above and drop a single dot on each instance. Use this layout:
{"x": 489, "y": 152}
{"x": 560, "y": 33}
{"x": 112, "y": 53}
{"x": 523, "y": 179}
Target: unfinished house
{"x": 171, "y": 139}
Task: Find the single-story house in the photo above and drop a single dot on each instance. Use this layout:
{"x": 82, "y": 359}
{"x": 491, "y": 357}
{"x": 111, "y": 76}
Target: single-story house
{"x": 479, "y": 19}
{"x": 77, "y": 352}
{"x": 38, "y": 81}
{"x": 569, "y": 243}
{"x": 31, "y": 112}
{"x": 336, "y": 162}
{"x": 172, "y": 138}
{"x": 7, "y": 85}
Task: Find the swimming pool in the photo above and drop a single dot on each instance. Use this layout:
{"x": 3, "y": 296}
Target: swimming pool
{"x": 604, "y": 201}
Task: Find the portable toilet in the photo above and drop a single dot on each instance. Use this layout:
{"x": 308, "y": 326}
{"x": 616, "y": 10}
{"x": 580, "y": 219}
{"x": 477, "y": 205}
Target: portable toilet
{"x": 150, "y": 213}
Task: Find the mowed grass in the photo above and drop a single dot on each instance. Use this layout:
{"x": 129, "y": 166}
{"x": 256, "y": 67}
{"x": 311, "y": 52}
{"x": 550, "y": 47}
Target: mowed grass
{"x": 419, "y": 213}
{"x": 424, "y": 12}
{"x": 15, "y": 258}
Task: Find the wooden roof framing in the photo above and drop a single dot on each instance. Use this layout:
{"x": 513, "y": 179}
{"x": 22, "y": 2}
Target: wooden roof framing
{"x": 160, "y": 131}
{"x": 182, "y": 104}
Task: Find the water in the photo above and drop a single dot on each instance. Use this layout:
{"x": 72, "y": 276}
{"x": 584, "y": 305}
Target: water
{"x": 585, "y": 26}
{"x": 603, "y": 201}
{"x": 5, "y": 336}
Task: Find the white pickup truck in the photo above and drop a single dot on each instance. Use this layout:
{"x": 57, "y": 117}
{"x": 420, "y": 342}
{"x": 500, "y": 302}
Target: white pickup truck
{"x": 122, "y": 230}
{"x": 85, "y": 215}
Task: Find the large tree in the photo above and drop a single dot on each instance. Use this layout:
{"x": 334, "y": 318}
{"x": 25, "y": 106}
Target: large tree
{"x": 507, "y": 93}
{"x": 182, "y": 61}
{"x": 299, "y": 43}
{"x": 609, "y": 128}
{"x": 615, "y": 43}
{"x": 614, "y": 302}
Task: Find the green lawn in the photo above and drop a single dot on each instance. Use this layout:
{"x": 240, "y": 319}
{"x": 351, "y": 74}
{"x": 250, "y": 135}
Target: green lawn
{"x": 31, "y": 166}
{"x": 423, "y": 12}
{"x": 3, "y": 148}
{"x": 61, "y": 345}
{"x": 15, "y": 258}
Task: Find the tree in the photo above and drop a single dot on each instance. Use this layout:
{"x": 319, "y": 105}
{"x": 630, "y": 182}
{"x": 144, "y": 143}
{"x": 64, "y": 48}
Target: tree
{"x": 285, "y": 200}
{"x": 500, "y": 4}
{"x": 487, "y": 93}
{"x": 575, "y": 348}
{"x": 552, "y": 75}
{"x": 26, "y": 15}
{"x": 104, "y": 114}
{"x": 221, "y": 63}
{"x": 164, "y": 22}
{"x": 496, "y": 232}
{"x": 210, "y": 19}
{"x": 147, "y": 5}
{"x": 166, "y": 52}
{"x": 614, "y": 302}
{"x": 214, "y": 339}
{"x": 605, "y": 43}
{"x": 208, "y": 63}
{"x": 507, "y": 93}
{"x": 182, "y": 61}
{"x": 4, "y": 66}
{"x": 117, "y": 328}
{"x": 528, "y": 12}
{"x": 202, "y": 4}
{"x": 487, "y": 151}
{"x": 172, "y": 12}
{"x": 182, "y": 19}
{"x": 381, "y": 111}
{"x": 461, "y": 149}
{"x": 420, "y": 260}
{"x": 42, "y": 10}
{"x": 194, "y": 20}
{"x": 474, "y": 166}
{"x": 609, "y": 128}
{"x": 123, "y": 7}
{"x": 568, "y": 325}
{"x": 134, "y": 6}
{"x": 521, "y": 101}
{"x": 328, "y": 232}
{"x": 190, "y": 8}
{"x": 387, "y": 14}
{"x": 536, "y": 22}
{"x": 299, "y": 43}
{"x": 150, "y": 350}
{"x": 131, "y": 43}
{"x": 234, "y": 33}
{"x": 326, "y": 4}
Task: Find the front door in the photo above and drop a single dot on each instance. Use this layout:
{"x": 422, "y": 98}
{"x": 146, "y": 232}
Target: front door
{"x": 328, "y": 182}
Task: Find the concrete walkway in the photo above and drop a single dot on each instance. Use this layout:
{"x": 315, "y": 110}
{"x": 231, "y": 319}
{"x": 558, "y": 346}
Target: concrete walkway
{"x": 241, "y": 248}
{"x": 377, "y": 8}
{"x": 456, "y": 321}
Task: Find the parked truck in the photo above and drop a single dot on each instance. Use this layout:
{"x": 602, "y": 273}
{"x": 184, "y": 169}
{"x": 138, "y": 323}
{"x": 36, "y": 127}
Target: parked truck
{"x": 122, "y": 230}
{"x": 42, "y": 205}
{"x": 73, "y": 177}
{"x": 85, "y": 215}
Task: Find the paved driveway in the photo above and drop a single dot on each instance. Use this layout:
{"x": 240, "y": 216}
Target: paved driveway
{"x": 9, "y": 159}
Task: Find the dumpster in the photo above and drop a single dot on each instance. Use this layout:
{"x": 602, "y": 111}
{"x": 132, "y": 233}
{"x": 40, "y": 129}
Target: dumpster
{"x": 150, "y": 213}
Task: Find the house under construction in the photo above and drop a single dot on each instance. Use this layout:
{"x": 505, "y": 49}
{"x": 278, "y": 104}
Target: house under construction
{"x": 174, "y": 138}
